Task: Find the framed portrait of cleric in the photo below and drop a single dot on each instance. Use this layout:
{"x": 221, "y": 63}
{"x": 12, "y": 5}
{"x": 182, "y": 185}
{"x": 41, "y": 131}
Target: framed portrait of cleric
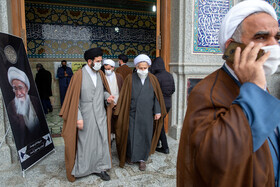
{"x": 29, "y": 127}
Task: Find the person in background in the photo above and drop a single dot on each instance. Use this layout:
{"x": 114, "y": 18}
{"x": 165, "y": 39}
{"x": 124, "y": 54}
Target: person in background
{"x": 64, "y": 74}
{"x": 43, "y": 82}
{"x": 140, "y": 112}
{"x": 115, "y": 81}
{"x": 167, "y": 86}
{"x": 230, "y": 135}
{"x": 123, "y": 69}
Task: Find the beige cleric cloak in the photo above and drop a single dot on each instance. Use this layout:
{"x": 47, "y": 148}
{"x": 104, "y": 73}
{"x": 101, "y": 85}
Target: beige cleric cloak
{"x": 122, "y": 111}
{"x": 216, "y": 145}
{"x": 69, "y": 113}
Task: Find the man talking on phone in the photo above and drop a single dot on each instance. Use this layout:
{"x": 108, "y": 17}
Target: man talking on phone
{"x": 230, "y": 135}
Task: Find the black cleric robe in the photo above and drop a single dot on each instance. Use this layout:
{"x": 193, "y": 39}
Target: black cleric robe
{"x": 144, "y": 105}
{"x": 123, "y": 116}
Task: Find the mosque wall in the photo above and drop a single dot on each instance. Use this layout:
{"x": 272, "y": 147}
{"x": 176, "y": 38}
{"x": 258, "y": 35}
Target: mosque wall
{"x": 195, "y": 50}
{"x": 59, "y": 31}
{"x": 7, "y": 147}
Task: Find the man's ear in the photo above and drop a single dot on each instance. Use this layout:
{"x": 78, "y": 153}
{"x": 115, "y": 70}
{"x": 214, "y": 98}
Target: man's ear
{"x": 228, "y": 42}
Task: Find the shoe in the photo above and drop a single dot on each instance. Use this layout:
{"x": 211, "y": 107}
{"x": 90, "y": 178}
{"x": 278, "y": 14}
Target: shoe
{"x": 103, "y": 175}
{"x": 142, "y": 166}
{"x": 128, "y": 161}
{"x": 162, "y": 150}
{"x": 50, "y": 110}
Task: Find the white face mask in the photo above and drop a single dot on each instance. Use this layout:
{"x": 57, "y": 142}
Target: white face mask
{"x": 142, "y": 74}
{"x": 97, "y": 66}
{"x": 271, "y": 64}
{"x": 108, "y": 72}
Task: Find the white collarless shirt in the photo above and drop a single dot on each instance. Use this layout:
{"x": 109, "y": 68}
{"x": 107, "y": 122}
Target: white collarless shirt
{"x": 92, "y": 74}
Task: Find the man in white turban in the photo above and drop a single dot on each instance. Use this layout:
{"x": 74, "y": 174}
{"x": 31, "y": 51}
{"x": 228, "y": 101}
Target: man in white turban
{"x": 230, "y": 135}
{"x": 140, "y": 111}
{"x": 23, "y": 109}
{"x": 115, "y": 81}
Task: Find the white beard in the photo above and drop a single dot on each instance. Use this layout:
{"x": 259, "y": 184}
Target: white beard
{"x": 24, "y": 107}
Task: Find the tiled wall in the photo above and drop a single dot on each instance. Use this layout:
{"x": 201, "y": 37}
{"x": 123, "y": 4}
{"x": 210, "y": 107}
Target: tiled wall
{"x": 59, "y": 31}
{"x": 208, "y": 15}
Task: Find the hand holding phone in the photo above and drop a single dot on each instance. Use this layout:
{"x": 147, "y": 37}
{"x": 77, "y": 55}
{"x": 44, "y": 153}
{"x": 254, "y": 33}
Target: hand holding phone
{"x": 248, "y": 64}
{"x": 230, "y": 50}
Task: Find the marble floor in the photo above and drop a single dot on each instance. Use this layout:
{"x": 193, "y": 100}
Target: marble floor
{"x": 54, "y": 122}
{"x": 161, "y": 168}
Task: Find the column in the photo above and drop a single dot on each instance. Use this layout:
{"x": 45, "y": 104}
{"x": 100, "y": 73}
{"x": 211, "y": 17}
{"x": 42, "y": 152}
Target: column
{"x": 5, "y": 152}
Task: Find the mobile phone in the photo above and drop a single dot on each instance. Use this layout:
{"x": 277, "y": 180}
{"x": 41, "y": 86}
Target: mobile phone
{"x": 230, "y": 50}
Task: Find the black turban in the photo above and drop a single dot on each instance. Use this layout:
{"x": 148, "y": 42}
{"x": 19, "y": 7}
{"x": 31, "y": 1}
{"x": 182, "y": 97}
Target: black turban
{"x": 92, "y": 53}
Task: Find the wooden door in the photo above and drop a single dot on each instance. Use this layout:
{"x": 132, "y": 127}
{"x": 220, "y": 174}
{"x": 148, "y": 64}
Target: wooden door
{"x": 18, "y": 19}
{"x": 163, "y": 36}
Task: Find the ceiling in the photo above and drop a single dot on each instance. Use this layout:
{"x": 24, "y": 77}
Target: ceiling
{"x": 141, "y": 5}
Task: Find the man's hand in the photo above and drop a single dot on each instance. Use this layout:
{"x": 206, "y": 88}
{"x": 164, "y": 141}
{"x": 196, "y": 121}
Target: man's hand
{"x": 157, "y": 116}
{"x": 110, "y": 99}
{"x": 80, "y": 124}
{"x": 247, "y": 68}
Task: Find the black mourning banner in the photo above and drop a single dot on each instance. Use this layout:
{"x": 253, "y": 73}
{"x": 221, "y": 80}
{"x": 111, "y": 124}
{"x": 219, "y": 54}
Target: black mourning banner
{"x": 31, "y": 134}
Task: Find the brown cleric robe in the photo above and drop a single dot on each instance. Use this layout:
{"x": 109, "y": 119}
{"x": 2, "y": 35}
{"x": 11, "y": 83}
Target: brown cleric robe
{"x": 216, "y": 144}
{"x": 122, "y": 111}
{"x": 124, "y": 70}
{"x": 120, "y": 79}
{"x": 69, "y": 113}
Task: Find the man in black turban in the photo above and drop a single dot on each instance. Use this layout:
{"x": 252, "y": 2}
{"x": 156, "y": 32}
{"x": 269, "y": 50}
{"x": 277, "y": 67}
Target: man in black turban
{"x": 92, "y": 53}
{"x": 86, "y": 120}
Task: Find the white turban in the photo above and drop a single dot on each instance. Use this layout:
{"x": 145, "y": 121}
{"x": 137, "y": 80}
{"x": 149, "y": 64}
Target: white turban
{"x": 15, "y": 73}
{"x": 237, "y": 14}
{"x": 142, "y": 58}
{"x": 109, "y": 62}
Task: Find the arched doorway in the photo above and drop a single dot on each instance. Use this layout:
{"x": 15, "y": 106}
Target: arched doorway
{"x": 163, "y": 20}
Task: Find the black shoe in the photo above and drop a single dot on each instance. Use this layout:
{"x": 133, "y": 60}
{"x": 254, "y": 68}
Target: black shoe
{"x": 50, "y": 110}
{"x": 103, "y": 175}
{"x": 162, "y": 150}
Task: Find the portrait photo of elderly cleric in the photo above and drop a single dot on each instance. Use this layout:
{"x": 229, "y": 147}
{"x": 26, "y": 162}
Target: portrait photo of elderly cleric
{"x": 23, "y": 110}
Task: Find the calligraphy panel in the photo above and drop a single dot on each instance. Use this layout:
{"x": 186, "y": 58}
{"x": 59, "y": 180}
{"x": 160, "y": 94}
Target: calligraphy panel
{"x": 208, "y": 15}
{"x": 56, "y": 31}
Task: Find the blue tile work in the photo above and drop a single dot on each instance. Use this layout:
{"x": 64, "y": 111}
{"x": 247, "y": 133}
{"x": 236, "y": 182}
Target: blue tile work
{"x": 275, "y": 4}
{"x": 208, "y": 15}
{"x": 59, "y": 31}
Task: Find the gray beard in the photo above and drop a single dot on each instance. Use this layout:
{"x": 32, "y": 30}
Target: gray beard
{"x": 25, "y": 108}
{"x": 22, "y": 106}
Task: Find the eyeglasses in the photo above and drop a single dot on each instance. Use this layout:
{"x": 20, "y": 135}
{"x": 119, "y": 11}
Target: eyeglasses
{"x": 18, "y": 88}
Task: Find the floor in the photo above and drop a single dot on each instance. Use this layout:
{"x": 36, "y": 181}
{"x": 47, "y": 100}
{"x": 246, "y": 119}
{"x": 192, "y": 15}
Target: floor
{"x": 161, "y": 168}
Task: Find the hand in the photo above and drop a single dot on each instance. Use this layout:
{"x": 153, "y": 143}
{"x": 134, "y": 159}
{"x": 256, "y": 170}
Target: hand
{"x": 247, "y": 68}
{"x": 80, "y": 124}
{"x": 157, "y": 116}
{"x": 110, "y": 99}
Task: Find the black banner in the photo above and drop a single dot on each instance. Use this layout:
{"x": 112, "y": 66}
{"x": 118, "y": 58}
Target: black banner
{"x": 31, "y": 134}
